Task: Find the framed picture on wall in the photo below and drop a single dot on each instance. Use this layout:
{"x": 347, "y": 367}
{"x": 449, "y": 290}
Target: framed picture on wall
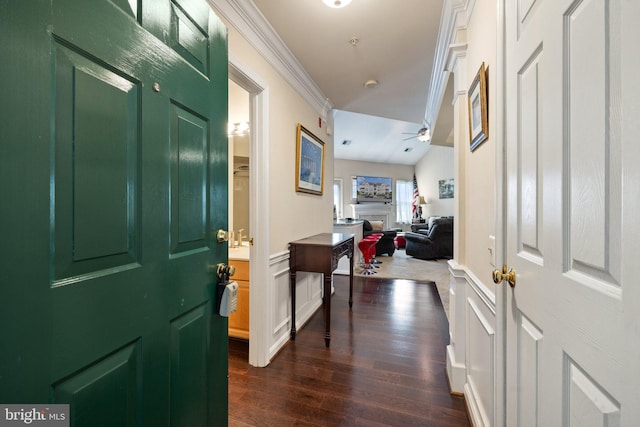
{"x": 478, "y": 113}
{"x": 445, "y": 188}
{"x": 309, "y": 162}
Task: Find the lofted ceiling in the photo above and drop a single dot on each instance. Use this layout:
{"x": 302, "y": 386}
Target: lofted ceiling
{"x": 391, "y": 42}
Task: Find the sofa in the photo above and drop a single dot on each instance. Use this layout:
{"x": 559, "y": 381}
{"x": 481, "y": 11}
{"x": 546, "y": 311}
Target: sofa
{"x": 386, "y": 244}
{"x": 433, "y": 241}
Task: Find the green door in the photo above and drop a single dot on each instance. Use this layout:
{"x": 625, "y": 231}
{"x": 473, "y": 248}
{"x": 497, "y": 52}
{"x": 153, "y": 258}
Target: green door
{"x": 113, "y": 180}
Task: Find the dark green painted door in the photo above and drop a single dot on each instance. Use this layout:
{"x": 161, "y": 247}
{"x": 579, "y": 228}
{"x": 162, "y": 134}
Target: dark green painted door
{"x": 113, "y": 181}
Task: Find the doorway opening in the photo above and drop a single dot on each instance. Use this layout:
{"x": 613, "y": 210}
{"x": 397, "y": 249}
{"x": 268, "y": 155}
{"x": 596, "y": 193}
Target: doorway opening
{"x": 251, "y": 168}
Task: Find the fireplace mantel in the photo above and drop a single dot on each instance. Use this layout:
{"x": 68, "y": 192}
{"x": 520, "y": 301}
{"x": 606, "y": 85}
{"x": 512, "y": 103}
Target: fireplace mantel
{"x": 373, "y": 212}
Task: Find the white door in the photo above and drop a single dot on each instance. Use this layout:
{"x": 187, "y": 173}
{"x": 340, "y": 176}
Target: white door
{"x": 572, "y": 113}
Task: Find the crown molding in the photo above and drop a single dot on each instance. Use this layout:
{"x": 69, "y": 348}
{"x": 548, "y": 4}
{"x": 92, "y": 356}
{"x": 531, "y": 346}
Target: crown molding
{"x": 455, "y": 16}
{"x": 247, "y": 19}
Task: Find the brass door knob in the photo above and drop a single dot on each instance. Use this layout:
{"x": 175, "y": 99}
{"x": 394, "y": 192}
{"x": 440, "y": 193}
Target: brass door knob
{"x": 222, "y": 236}
{"x": 225, "y": 270}
{"x": 500, "y": 276}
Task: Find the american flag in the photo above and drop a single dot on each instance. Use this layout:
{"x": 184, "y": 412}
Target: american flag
{"x": 416, "y": 194}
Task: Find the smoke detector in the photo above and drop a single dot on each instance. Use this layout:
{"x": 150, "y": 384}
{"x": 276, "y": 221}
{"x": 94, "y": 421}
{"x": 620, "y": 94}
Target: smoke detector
{"x": 371, "y": 83}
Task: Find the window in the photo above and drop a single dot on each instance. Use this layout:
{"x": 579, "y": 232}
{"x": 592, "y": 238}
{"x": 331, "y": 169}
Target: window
{"x": 337, "y": 197}
{"x": 404, "y": 197}
{"x": 354, "y": 188}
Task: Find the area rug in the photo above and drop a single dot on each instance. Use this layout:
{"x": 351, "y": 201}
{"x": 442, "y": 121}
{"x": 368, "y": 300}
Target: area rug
{"x": 402, "y": 266}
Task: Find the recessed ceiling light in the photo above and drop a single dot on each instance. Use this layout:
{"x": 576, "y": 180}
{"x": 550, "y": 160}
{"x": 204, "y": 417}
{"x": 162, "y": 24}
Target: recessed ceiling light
{"x": 336, "y": 3}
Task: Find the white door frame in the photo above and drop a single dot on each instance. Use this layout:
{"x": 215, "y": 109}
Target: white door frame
{"x": 502, "y": 292}
{"x": 259, "y": 297}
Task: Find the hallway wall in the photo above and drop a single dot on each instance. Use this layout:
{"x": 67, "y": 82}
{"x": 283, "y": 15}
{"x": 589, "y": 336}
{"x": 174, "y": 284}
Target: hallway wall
{"x": 474, "y": 361}
{"x": 435, "y": 166}
{"x": 290, "y": 215}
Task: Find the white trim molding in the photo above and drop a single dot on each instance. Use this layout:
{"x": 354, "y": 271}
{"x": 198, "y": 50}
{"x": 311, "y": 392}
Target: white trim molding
{"x": 455, "y": 16}
{"x": 247, "y": 19}
{"x": 456, "y": 64}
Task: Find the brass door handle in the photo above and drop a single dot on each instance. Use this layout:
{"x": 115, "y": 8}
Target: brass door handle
{"x": 509, "y": 276}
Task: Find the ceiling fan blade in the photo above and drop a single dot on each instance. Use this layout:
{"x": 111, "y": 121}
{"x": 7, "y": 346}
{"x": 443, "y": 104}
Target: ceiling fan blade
{"x": 411, "y": 137}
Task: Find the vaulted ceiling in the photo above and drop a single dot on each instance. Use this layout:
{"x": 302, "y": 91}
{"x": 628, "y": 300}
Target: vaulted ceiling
{"x": 390, "y": 42}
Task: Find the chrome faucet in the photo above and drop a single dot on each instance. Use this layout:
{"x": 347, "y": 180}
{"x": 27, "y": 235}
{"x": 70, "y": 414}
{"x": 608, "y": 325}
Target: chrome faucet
{"x": 232, "y": 243}
{"x": 240, "y": 237}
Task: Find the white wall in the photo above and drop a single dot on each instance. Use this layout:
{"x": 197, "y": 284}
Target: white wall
{"x": 436, "y": 165}
{"x": 480, "y": 165}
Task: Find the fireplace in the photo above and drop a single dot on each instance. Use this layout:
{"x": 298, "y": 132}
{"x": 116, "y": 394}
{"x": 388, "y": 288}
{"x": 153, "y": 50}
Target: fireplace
{"x": 373, "y": 212}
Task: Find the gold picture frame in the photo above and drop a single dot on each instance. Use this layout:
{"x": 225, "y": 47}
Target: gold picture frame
{"x": 309, "y": 162}
{"x": 478, "y": 112}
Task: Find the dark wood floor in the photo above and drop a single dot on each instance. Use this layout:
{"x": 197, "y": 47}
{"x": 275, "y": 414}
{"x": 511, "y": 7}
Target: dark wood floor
{"x": 385, "y": 366}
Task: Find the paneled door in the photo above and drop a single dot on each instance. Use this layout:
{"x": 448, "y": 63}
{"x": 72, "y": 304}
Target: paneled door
{"x": 114, "y": 180}
{"x": 572, "y": 319}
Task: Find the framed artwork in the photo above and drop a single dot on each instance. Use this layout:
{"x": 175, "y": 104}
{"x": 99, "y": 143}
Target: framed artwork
{"x": 478, "y": 113}
{"x": 309, "y": 162}
{"x": 445, "y": 188}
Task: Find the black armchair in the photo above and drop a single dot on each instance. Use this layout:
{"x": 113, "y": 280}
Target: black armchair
{"x": 434, "y": 243}
{"x": 386, "y": 244}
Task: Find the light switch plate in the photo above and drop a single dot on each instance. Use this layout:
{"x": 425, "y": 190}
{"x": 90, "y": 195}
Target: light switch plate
{"x": 492, "y": 250}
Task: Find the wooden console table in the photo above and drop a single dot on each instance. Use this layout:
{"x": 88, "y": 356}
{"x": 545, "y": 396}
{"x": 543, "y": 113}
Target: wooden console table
{"x": 320, "y": 254}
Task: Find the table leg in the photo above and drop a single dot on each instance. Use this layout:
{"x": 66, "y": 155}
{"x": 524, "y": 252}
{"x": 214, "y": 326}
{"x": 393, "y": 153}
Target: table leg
{"x": 327, "y": 309}
{"x": 351, "y": 281}
{"x": 292, "y": 282}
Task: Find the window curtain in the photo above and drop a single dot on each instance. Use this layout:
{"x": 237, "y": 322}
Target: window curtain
{"x": 404, "y": 198}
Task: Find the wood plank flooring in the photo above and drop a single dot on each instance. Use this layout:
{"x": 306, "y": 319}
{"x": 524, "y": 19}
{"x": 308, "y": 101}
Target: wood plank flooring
{"x": 385, "y": 366}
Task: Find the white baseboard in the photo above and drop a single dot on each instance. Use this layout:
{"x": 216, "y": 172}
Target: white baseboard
{"x": 455, "y": 371}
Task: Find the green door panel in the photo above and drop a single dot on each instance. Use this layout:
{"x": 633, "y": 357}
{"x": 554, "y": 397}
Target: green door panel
{"x": 113, "y": 175}
{"x": 112, "y": 376}
{"x": 96, "y": 147}
{"x": 189, "y": 388}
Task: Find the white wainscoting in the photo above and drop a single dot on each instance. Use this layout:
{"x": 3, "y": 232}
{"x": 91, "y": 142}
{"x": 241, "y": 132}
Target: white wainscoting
{"x": 471, "y": 354}
{"x": 308, "y": 300}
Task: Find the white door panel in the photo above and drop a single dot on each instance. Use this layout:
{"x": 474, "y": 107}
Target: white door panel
{"x": 570, "y": 95}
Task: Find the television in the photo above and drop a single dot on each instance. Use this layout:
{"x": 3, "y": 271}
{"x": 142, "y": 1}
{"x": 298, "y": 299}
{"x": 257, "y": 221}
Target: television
{"x": 374, "y": 189}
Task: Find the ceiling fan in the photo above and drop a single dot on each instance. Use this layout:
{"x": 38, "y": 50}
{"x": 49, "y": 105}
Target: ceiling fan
{"x": 423, "y": 134}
